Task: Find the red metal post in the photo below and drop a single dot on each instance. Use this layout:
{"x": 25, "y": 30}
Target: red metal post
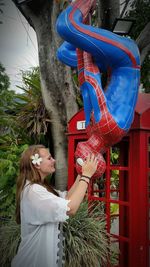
{"x": 138, "y": 186}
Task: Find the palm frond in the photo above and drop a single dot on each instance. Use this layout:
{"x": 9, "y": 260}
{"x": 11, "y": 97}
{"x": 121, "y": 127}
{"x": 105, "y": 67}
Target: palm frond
{"x": 86, "y": 240}
{"x": 9, "y": 240}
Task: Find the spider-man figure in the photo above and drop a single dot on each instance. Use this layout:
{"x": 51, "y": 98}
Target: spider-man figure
{"x": 108, "y": 114}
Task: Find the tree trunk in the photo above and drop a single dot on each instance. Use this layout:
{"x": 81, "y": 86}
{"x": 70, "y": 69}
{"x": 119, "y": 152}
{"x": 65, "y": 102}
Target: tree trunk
{"x": 109, "y": 11}
{"x": 57, "y": 86}
{"x": 143, "y": 42}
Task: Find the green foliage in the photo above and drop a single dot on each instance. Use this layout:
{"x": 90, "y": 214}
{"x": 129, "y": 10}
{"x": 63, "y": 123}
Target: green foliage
{"x": 24, "y": 115}
{"x": 9, "y": 240}
{"x": 6, "y": 109}
{"x": 8, "y": 124}
{"x": 9, "y": 162}
{"x": 30, "y": 110}
{"x": 86, "y": 240}
{"x": 6, "y": 96}
{"x": 4, "y": 79}
{"x": 114, "y": 155}
{"x": 114, "y": 208}
{"x": 145, "y": 74}
{"x": 141, "y": 13}
{"x": 9, "y": 149}
{"x": 6, "y": 100}
{"x": 114, "y": 158}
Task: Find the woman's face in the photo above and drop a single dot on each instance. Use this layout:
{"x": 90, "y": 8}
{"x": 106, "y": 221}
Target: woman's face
{"x": 47, "y": 166}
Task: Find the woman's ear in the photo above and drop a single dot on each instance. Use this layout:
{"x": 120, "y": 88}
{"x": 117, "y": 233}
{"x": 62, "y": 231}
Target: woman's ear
{"x": 37, "y": 166}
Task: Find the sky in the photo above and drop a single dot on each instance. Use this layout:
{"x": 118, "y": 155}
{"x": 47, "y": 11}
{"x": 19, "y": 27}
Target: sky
{"x": 18, "y": 44}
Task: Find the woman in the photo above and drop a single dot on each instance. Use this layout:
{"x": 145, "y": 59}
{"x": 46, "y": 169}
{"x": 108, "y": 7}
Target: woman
{"x": 40, "y": 208}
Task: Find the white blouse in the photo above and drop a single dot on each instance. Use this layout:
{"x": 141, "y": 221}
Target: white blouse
{"x": 41, "y": 213}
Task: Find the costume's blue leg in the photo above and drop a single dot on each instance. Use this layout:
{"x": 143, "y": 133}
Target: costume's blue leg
{"x": 67, "y": 54}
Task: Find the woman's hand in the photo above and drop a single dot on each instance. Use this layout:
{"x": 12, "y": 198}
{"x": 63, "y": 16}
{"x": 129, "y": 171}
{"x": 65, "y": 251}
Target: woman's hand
{"x": 90, "y": 165}
{"x": 76, "y": 197}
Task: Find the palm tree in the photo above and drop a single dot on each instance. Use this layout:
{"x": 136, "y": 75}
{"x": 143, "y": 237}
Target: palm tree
{"x": 30, "y": 110}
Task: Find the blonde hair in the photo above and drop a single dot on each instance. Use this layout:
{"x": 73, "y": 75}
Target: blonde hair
{"x": 29, "y": 172}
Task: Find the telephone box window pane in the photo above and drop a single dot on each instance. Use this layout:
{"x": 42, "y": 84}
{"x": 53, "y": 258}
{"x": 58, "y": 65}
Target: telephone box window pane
{"x": 119, "y": 185}
{"x": 114, "y": 209}
{"x": 119, "y": 220}
{"x": 114, "y": 184}
{"x": 114, "y": 225}
{"x": 114, "y": 155}
{"x": 119, "y": 153}
{"x": 102, "y": 186}
{"x": 124, "y": 221}
{"x": 99, "y": 187}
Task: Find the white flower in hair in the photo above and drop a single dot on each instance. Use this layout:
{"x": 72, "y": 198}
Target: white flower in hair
{"x": 36, "y": 159}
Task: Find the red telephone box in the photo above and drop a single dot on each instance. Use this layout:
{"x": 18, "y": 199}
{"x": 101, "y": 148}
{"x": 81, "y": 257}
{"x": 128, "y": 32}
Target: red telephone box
{"x": 124, "y": 189}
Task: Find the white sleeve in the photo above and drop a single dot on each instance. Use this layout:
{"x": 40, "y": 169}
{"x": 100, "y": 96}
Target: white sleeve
{"x": 40, "y": 206}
